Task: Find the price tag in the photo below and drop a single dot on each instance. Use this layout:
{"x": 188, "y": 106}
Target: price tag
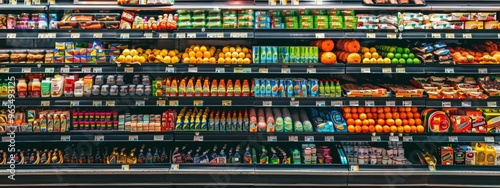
{"x": 390, "y": 103}
{"x": 7, "y": 70}
{"x": 163, "y": 35}
{"x": 26, "y": 70}
{"x": 394, "y": 138}
{"x": 309, "y": 138}
{"x": 247, "y": 70}
{"x": 482, "y": 70}
{"x": 74, "y": 103}
{"x": 197, "y": 102}
{"x": 99, "y": 138}
{"x": 5, "y": 138}
{"x": 391, "y": 35}
{"x": 446, "y": 104}
{"x": 353, "y": 103}
{"x": 227, "y": 102}
{"x": 110, "y": 103}
{"x": 407, "y": 103}
{"x": 169, "y": 69}
{"x": 452, "y": 138}
{"x": 375, "y": 138}
{"x": 11, "y": 35}
{"x": 407, "y": 138}
{"x": 263, "y": 70}
{"x": 267, "y": 103}
{"x": 285, "y": 70}
{"x": 45, "y": 103}
{"x": 294, "y": 103}
{"x": 466, "y": 104}
{"x": 371, "y": 35}
{"x": 198, "y": 138}
{"x": 492, "y": 104}
{"x": 125, "y": 167}
{"x": 148, "y": 35}
{"x": 129, "y": 69}
{"x": 86, "y": 69}
{"x": 238, "y": 70}
{"x": 489, "y": 139}
{"x": 354, "y": 168}
{"x": 320, "y": 35}
{"x": 173, "y": 103}
{"x": 293, "y": 138}
{"x": 329, "y": 138}
{"x": 320, "y": 103}
{"x": 369, "y": 103}
{"x": 64, "y": 69}
{"x": 336, "y": 103}
{"x": 467, "y": 35}
{"x": 436, "y": 35}
{"x": 450, "y": 35}
{"x": 272, "y": 138}
{"x": 160, "y": 102}
{"x": 400, "y": 70}
{"x": 449, "y": 70}
{"x": 365, "y": 70}
{"x": 174, "y": 167}
{"x": 140, "y": 103}
{"x": 220, "y": 69}
{"x": 97, "y": 35}
{"x": 238, "y": 35}
{"x": 311, "y": 70}
{"x": 498, "y": 36}
{"x": 215, "y": 35}
{"x": 191, "y": 35}
{"x": 180, "y": 35}
{"x": 51, "y": 35}
{"x": 192, "y": 69}
{"x": 124, "y": 35}
{"x": 65, "y": 138}
{"x": 97, "y": 103}
{"x": 75, "y": 35}
{"x": 133, "y": 138}
{"x": 387, "y": 70}
{"x": 49, "y": 70}
{"x": 158, "y": 137}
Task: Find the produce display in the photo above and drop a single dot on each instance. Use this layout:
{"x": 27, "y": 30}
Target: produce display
{"x": 362, "y": 153}
{"x": 383, "y": 119}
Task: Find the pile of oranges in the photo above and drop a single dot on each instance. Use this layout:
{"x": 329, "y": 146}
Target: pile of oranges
{"x": 383, "y": 119}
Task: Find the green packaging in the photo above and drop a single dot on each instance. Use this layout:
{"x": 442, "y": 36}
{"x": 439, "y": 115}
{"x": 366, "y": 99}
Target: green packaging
{"x": 306, "y": 25}
{"x": 291, "y": 25}
{"x": 351, "y": 19}
{"x": 306, "y": 19}
{"x": 291, "y": 19}
{"x": 321, "y": 19}
{"x": 305, "y": 12}
{"x": 263, "y": 54}
{"x": 336, "y": 25}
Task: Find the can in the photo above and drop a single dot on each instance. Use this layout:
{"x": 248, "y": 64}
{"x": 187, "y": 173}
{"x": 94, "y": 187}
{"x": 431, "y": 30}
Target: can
{"x": 263, "y": 54}
{"x": 313, "y": 87}
{"x": 289, "y": 88}
{"x": 274, "y": 87}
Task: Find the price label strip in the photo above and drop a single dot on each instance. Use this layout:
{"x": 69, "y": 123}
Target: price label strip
{"x": 369, "y": 103}
{"x": 220, "y": 69}
{"x": 49, "y": 70}
{"x": 140, "y": 103}
{"x": 267, "y": 103}
{"x": 482, "y": 70}
{"x": 407, "y": 138}
{"x": 375, "y": 138}
{"x": 320, "y": 35}
{"x": 158, "y": 137}
{"x": 215, "y": 35}
{"x": 99, "y": 138}
{"x": 11, "y": 35}
{"x": 129, "y": 69}
{"x": 197, "y": 102}
{"x": 309, "y": 138}
{"x": 452, "y": 138}
{"x": 74, "y": 103}
{"x": 192, "y": 69}
{"x": 466, "y": 104}
{"x": 387, "y": 70}
{"x": 169, "y": 69}
{"x": 227, "y": 102}
{"x": 263, "y": 70}
{"x": 489, "y": 139}
{"x": 285, "y": 70}
{"x": 45, "y": 103}
{"x": 449, "y": 70}
{"x": 64, "y": 69}
{"x": 492, "y": 104}
{"x": 148, "y": 35}
{"x": 407, "y": 103}
{"x": 311, "y": 70}
{"x": 161, "y": 102}
{"x": 97, "y": 35}
{"x": 163, "y": 35}
{"x": 320, "y": 103}
{"x": 365, "y": 70}
{"x": 436, "y": 35}
{"x": 390, "y": 103}
{"x": 450, "y": 35}
{"x": 110, "y": 103}
{"x": 446, "y": 104}
{"x": 371, "y": 35}
{"x": 336, "y": 103}
{"x": 353, "y": 103}
{"x": 65, "y": 138}
{"x": 26, "y": 70}
{"x": 75, "y": 35}
{"x": 294, "y": 103}
{"x": 133, "y": 138}
{"x": 293, "y": 138}
{"x": 198, "y": 138}
{"x": 173, "y": 103}
{"x": 391, "y": 35}
{"x": 400, "y": 70}
{"x": 329, "y": 138}
{"x": 86, "y": 69}
{"x": 97, "y": 103}
{"x": 272, "y": 139}
{"x": 394, "y": 138}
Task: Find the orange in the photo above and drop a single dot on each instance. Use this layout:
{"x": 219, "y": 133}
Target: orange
{"x": 389, "y": 122}
{"x": 394, "y": 109}
{"x": 361, "y": 109}
{"x": 418, "y": 122}
{"x": 398, "y": 122}
{"x": 409, "y": 115}
{"x": 395, "y": 115}
{"x": 416, "y": 115}
{"x": 374, "y": 116}
{"x": 381, "y": 121}
{"x": 367, "y": 109}
{"x": 373, "y": 109}
{"x": 386, "y": 129}
{"x": 388, "y": 115}
{"x": 369, "y": 115}
{"x": 408, "y": 109}
{"x": 354, "y": 110}
{"x": 420, "y": 129}
{"x": 411, "y": 122}
{"x": 401, "y": 109}
{"x": 347, "y": 109}
{"x": 198, "y": 54}
{"x": 381, "y": 115}
{"x": 371, "y": 128}
{"x": 402, "y": 115}
{"x": 413, "y": 129}
{"x": 378, "y": 128}
{"x": 380, "y": 110}
{"x": 366, "y": 122}
{"x": 351, "y": 128}
{"x": 362, "y": 116}
{"x": 394, "y": 129}
{"x": 401, "y": 129}
{"x": 358, "y": 129}
{"x": 355, "y": 116}
{"x": 371, "y": 122}
{"x": 405, "y": 121}
{"x": 414, "y": 109}
{"x": 387, "y": 109}
{"x": 358, "y": 122}
{"x": 347, "y": 115}
{"x": 407, "y": 128}
{"x": 364, "y": 129}
{"x": 350, "y": 121}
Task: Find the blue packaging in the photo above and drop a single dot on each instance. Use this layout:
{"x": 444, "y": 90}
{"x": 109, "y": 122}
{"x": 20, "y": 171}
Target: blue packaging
{"x": 274, "y": 87}
{"x": 268, "y": 88}
{"x": 289, "y": 88}
{"x": 262, "y": 87}
{"x": 281, "y": 89}
{"x": 313, "y": 87}
{"x": 256, "y": 89}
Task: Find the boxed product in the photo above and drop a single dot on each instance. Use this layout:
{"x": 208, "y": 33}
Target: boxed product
{"x": 491, "y": 25}
{"x": 474, "y": 25}
{"x": 460, "y": 16}
{"x": 461, "y": 124}
{"x": 446, "y": 155}
{"x": 485, "y": 16}
{"x": 437, "y": 121}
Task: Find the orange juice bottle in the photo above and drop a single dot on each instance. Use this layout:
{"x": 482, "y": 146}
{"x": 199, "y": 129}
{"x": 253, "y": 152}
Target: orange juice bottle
{"x": 174, "y": 90}
{"x": 245, "y": 89}
{"x": 182, "y": 87}
{"x": 167, "y": 87}
{"x": 237, "y": 88}
{"x": 206, "y": 88}
{"x": 221, "y": 91}
{"x": 229, "y": 88}
{"x": 190, "y": 88}
{"x": 251, "y": 88}
{"x": 198, "y": 88}
{"x": 214, "y": 88}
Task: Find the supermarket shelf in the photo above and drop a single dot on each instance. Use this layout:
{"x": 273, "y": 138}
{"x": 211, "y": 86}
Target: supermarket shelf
{"x": 90, "y": 136}
{"x": 247, "y": 137}
{"x": 463, "y": 103}
{"x": 456, "y": 137}
{"x": 23, "y": 7}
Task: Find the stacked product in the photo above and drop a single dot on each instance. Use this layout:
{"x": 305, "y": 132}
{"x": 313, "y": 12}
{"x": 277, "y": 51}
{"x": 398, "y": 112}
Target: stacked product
{"x": 394, "y": 55}
{"x": 69, "y": 52}
{"x": 371, "y": 21}
{"x": 276, "y": 120}
{"x": 195, "y": 87}
{"x": 95, "y": 120}
{"x": 87, "y": 21}
{"x": 454, "y": 20}
{"x": 199, "y": 19}
{"x": 298, "y": 87}
{"x": 475, "y": 154}
{"x": 328, "y": 120}
{"x": 38, "y": 120}
{"x": 485, "y": 53}
{"x": 490, "y": 84}
{"x": 433, "y": 52}
{"x": 364, "y": 154}
{"x": 141, "y": 123}
{"x": 459, "y": 87}
{"x": 24, "y": 21}
{"x": 285, "y": 54}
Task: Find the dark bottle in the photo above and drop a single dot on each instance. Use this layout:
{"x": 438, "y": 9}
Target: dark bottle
{"x": 141, "y": 158}
{"x": 44, "y": 157}
{"x": 67, "y": 155}
{"x": 222, "y": 158}
{"x": 213, "y": 155}
{"x": 149, "y": 156}
{"x": 230, "y": 156}
{"x": 204, "y": 157}
{"x": 97, "y": 158}
{"x": 183, "y": 153}
{"x": 236, "y": 157}
{"x": 17, "y": 157}
{"x": 74, "y": 157}
{"x": 156, "y": 156}
{"x": 247, "y": 157}
{"x": 274, "y": 158}
{"x": 105, "y": 156}
{"x": 189, "y": 157}
{"x": 90, "y": 157}
{"x": 197, "y": 158}
{"x": 163, "y": 157}
{"x": 83, "y": 158}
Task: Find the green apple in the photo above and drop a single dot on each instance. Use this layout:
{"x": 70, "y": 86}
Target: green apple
{"x": 395, "y": 61}
{"x": 402, "y": 61}
{"x": 405, "y": 56}
{"x": 416, "y": 61}
{"x": 411, "y": 55}
{"x": 390, "y": 55}
{"x": 409, "y": 61}
{"x": 399, "y": 50}
{"x": 392, "y": 49}
{"x": 406, "y": 50}
{"x": 398, "y": 55}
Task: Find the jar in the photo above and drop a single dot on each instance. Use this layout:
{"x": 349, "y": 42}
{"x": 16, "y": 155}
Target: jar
{"x": 3, "y": 20}
{"x": 145, "y": 80}
{"x": 110, "y": 80}
{"x": 139, "y": 91}
{"x": 135, "y": 80}
{"x": 131, "y": 90}
{"x": 120, "y": 80}
{"x": 105, "y": 90}
{"x": 25, "y": 17}
{"x": 148, "y": 91}
{"x": 98, "y": 80}
{"x": 123, "y": 91}
{"x": 113, "y": 90}
{"x": 96, "y": 89}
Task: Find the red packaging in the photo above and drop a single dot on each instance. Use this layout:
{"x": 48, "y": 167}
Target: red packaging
{"x": 461, "y": 124}
{"x": 446, "y": 155}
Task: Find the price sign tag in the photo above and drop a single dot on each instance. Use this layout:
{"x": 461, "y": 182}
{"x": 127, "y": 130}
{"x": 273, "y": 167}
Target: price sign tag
{"x": 125, "y": 167}
{"x": 163, "y": 35}
{"x": 371, "y": 35}
{"x": 407, "y": 103}
{"x": 86, "y": 69}
{"x": 173, "y": 103}
{"x": 148, "y": 35}
{"x": 492, "y": 104}
{"x": 133, "y": 138}
{"x": 400, "y": 70}
{"x": 267, "y": 103}
{"x": 489, "y": 139}
{"x": 238, "y": 70}
{"x": 467, "y": 35}
{"x": 272, "y": 138}
{"x": 436, "y": 35}
{"x": 285, "y": 70}
{"x": 51, "y": 35}
{"x": 191, "y": 35}
{"x": 450, "y": 35}
{"x": 174, "y": 167}
{"x": 75, "y": 35}
{"x": 263, "y": 70}
{"x": 49, "y": 70}
{"x": 97, "y": 35}
{"x": 365, "y": 70}
{"x": 97, "y": 69}
{"x": 45, "y": 103}
{"x": 247, "y": 70}
{"x": 452, "y": 138}
{"x": 64, "y": 69}
{"x": 7, "y": 70}
{"x": 26, "y": 70}
{"x": 193, "y": 69}
{"x": 375, "y": 138}
{"x": 11, "y": 35}
{"x": 140, "y": 103}
{"x": 65, "y": 138}
{"x": 158, "y": 137}
{"x": 387, "y": 70}
{"x": 446, "y": 104}
{"x": 320, "y": 35}
{"x": 369, "y": 103}
{"x": 329, "y": 138}
{"x": 407, "y": 138}
{"x": 336, "y": 103}
{"x": 215, "y": 35}
{"x": 449, "y": 70}
{"x": 169, "y": 69}
{"x": 354, "y": 168}
{"x": 197, "y": 102}
{"x": 391, "y": 35}
{"x": 198, "y": 138}
{"x": 320, "y": 103}
{"x": 293, "y": 138}
{"x": 110, "y": 103}
{"x": 394, "y": 138}
{"x": 353, "y": 103}
{"x": 482, "y": 70}
{"x": 220, "y": 69}
{"x": 227, "y": 102}
{"x": 498, "y": 36}
{"x": 390, "y": 103}
{"x": 99, "y": 138}
{"x": 309, "y": 138}
{"x": 129, "y": 69}
{"x": 42, "y": 35}
{"x": 294, "y": 103}
{"x": 311, "y": 70}
{"x": 238, "y": 35}
{"x": 5, "y": 138}
{"x": 74, "y": 103}
{"x": 180, "y": 35}
{"x": 466, "y": 104}
{"x": 160, "y": 102}
{"x": 124, "y": 35}
{"x": 97, "y": 103}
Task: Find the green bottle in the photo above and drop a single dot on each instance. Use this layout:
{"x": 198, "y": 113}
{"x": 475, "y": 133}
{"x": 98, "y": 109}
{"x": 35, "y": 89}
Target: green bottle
{"x": 327, "y": 89}
{"x": 332, "y": 89}
{"x": 321, "y": 89}
{"x": 296, "y": 157}
{"x": 338, "y": 90}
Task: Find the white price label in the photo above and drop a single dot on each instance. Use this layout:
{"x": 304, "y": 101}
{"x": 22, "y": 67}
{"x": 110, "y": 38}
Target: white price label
{"x": 125, "y": 167}
{"x": 64, "y": 69}
{"x": 148, "y": 35}
{"x": 394, "y": 138}
{"x": 375, "y": 138}
{"x": 354, "y": 168}
{"x": 51, "y": 35}
{"x": 180, "y": 35}
{"x": 173, "y": 103}
{"x": 400, "y": 70}
{"x": 220, "y": 69}
{"x": 294, "y": 103}
{"x": 198, "y": 138}
{"x": 320, "y": 103}
{"x": 387, "y": 70}
{"x": 353, "y": 103}
{"x": 75, "y": 35}
{"x": 49, "y": 70}
{"x": 97, "y": 103}
{"x": 161, "y": 102}
{"x": 263, "y": 70}
{"x": 99, "y": 138}
{"x": 238, "y": 70}
{"x": 449, "y": 70}
{"x": 11, "y": 35}
{"x": 140, "y": 103}
{"x": 65, "y": 138}
{"x": 227, "y": 102}
{"x": 329, "y": 138}
{"x": 371, "y": 35}
{"x": 5, "y": 138}
{"x": 446, "y": 104}
{"x": 192, "y": 69}
{"x": 489, "y": 139}
{"x": 74, "y": 103}
{"x": 293, "y": 138}
{"x": 45, "y": 103}
{"x": 129, "y": 69}
{"x": 311, "y": 70}
{"x": 336, "y": 103}
{"x": 238, "y": 35}
{"x": 7, "y": 70}
{"x": 309, "y": 138}
{"x": 407, "y": 103}
{"x": 133, "y": 138}
{"x": 247, "y": 70}
{"x": 124, "y": 35}
{"x": 158, "y": 137}
{"x": 492, "y": 104}
{"x": 169, "y": 69}
{"x": 391, "y": 35}
{"x": 467, "y": 35}
{"x": 285, "y": 70}
{"x": 197, "y": 102}
{"x": 163, "y": 35}
{"x": 26, "y": 70}
{"x": 365, "y": 70}
{"x": 97, "y": 69}
{"x": 191, "y": 35}
{"x": 215, "y": 35}
{"x": 110, "y": 103}
{"x": 452, "y": 138}
{"x": 498, "y": 36}
{"x": 450, "y": 35}
{"x": 86, "y": 70}
{"x": 436, "y": 35}
{"x": 390, "y": 103}
{"x": 174, "y": 167}
{"x": 482, "y": 70}
{"x": 369, "y": 103}
{"x": 407, "y": 138}
{"x": 320, "y": 35}
{"x": 267, "y": 103}
{"x": 272, "y": 138}
{"x": 97, "y": 35}
{"x": 42, "y": 35}
{"x": 466, "y": 104}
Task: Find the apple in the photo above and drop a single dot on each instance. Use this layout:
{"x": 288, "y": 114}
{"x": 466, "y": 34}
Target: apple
{"x": 392, "y": 49}
{"x": 409, "y": 61}
{"x": 406, "y": 50}
{"x": 390, "y": 55}
{"x": 398, "y": 55}
{"x": 405, "y": 56}
{"x": 387, "y": 60}
{"x": 411, "y": 55}
{"x": 416, "y": 61}
{"x": 395, "y": 61}
{"x": 402, "y": 61}
{"x": 399, "y": 50}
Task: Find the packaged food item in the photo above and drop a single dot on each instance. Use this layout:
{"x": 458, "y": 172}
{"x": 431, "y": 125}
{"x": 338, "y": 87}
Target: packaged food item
{"x": 474, "y": 25}
{"x": 484, "y": 16}
{"x": 4, "y": 56}
{"x": 491, "y": 25}
{"x": 18, "y": 56}
{"x": 460, "y": 16}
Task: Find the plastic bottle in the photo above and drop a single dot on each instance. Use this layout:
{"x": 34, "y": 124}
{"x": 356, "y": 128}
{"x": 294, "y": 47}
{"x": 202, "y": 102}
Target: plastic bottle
{"x": 221, "y": 91}
{"x": 296, "y": 157}
{"x": 35, "y": 88}
{"x": 333, "y": 92}
{"x": 78, "y": 90}
{"x": 190, "y": 88}
{"x": 46, "y": 87}
{"x": 237, "y": 88}
{"x": 338, "y": 89}
{"x": 56, "y": 89}
{"x": 22, "y": 88}
{"x": 206, "y": 88}
{"x": 229, "y": 88}
{"x": 214, "y": 88}
{"x": 198, "y": 88}
{"x": 182, "y": 87}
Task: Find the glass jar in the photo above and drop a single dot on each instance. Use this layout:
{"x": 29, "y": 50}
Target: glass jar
{"x": 98, "y": 80}
{"x": 96, "y": 89}
{"x": 148, "y": 91}
{"x": 25, "y": 17}
{"x": 110, "y": 80}
{"x": 113, "y": 91}
{"x": 139, "y": 91}
{"x": 120, "y": 80}
{"x": 131, "y": 90}
{"x": 145, "y": 80}
{"x": 105, "y": 90}
{"x": 135, "y": 80}
{"x": 123, "y": 91}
